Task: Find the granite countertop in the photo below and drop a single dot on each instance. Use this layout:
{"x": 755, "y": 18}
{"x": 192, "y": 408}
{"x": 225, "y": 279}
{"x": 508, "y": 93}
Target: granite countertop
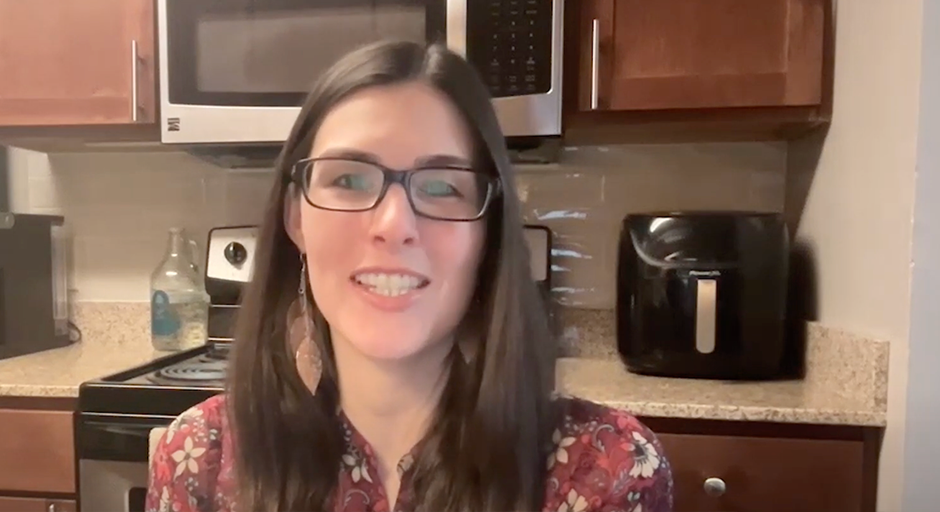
{"x": 845, "y": 382}
{"x": 793, "y": 401}
{"x": 115, "y": 337}
{"x": 59, "y": 372}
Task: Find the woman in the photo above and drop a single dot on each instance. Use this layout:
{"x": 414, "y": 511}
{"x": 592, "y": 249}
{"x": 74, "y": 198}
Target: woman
{"x": 394, "y": 216}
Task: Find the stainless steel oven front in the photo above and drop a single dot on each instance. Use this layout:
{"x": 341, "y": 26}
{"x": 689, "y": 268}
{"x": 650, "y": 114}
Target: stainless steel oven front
{"x": 113, "y": 454}
{"x": 237, "y": 71}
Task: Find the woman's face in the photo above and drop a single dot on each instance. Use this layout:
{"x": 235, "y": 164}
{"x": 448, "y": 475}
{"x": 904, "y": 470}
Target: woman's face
{"x": 390, "y": 283}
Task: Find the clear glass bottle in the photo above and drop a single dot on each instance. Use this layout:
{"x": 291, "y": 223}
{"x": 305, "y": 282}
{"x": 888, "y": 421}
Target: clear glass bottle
{"x": 179, "y": 304}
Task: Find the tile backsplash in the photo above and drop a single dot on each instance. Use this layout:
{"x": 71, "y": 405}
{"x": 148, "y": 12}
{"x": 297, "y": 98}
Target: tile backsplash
{"x": 118, "y": 206}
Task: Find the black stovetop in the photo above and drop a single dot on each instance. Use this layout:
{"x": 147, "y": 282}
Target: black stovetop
{"x": 165, "y": 387}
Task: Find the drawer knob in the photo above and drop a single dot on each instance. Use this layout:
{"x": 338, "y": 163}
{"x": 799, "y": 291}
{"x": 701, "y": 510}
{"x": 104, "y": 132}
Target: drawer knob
{"x": 714, "y": 487}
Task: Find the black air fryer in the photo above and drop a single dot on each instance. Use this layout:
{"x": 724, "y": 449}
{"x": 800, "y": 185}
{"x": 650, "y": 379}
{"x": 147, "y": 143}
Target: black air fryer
{"x": 702, "y": 294}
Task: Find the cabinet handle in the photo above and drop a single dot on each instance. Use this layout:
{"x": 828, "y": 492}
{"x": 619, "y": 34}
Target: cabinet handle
{"x": 135, "y": 62}
{"x": 595, "y": 50}
{"x": 714, "y": 487}
{"x": 51, "y": 507}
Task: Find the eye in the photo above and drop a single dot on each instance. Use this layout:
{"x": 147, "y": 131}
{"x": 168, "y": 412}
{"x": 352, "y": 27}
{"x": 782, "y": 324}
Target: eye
{"x": 352, "y": 181}
{"x": 439, "y": 188}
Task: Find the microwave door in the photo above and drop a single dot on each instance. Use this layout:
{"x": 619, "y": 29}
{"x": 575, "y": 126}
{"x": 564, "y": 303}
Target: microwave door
{"x": 239, "y": 70}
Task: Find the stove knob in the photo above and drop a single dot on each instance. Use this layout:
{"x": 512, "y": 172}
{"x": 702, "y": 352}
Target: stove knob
{"x": 235, "y": 253}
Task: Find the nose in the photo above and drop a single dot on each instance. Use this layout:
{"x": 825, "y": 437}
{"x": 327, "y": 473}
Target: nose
{"x": 394, "y": 222}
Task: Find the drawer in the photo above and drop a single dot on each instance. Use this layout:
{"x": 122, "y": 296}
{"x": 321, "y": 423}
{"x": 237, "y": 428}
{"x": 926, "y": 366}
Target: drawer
{"x": 764, "y": 474}
{"x": 38, "y": 450}
{"x": 36, "y": 505}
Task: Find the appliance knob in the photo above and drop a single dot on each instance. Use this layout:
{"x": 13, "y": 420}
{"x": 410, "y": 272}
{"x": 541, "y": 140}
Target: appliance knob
{"x": 714, "y": 487}
{"x": 235, "y": 253}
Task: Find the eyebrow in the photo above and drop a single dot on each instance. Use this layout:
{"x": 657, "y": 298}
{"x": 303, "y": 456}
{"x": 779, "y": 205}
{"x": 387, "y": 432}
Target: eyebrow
{"x": 352, "y": 154}
{"x": 442, "y": 160}
{"x": 422, "y": 161}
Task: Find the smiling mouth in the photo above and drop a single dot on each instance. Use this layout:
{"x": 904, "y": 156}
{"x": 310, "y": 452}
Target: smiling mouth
{"x": 390, "y": 284}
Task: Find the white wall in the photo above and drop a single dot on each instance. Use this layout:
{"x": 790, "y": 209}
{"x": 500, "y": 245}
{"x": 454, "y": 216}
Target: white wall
{"x": 922, "y": 445}
{"x": 120, "y": 205}
{"x": 858, "y": 214}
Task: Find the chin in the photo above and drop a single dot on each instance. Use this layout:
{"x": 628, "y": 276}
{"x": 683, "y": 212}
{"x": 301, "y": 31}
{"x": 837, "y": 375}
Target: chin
{"x": 388, "y": 343}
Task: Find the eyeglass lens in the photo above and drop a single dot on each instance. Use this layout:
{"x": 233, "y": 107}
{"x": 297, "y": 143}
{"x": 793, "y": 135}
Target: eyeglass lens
{"x": 350, "y": 185}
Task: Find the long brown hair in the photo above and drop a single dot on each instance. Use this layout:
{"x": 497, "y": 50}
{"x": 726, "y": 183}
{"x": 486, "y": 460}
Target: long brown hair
{"x": 488, "y": 445}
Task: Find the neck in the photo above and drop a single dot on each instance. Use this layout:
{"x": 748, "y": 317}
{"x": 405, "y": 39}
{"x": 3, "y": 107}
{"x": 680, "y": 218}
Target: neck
{"x": 391, "y": 403}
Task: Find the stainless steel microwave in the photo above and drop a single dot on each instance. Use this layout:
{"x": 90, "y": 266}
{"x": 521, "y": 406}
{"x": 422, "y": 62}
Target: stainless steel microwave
{"x": 237, "y": 71}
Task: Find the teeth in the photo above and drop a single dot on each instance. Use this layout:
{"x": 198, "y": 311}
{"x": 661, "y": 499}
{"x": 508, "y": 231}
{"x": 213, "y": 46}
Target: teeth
{"x": 389, "y": 285}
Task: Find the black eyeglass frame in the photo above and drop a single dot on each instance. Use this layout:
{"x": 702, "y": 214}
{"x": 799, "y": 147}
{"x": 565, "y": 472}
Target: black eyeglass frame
{"x": 299, "y": 176}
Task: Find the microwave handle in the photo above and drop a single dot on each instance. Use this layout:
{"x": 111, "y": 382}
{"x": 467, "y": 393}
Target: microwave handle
{"x": 595, "y": 71}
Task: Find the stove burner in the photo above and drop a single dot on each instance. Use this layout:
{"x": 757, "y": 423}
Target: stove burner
{"x": 201, "y": 372}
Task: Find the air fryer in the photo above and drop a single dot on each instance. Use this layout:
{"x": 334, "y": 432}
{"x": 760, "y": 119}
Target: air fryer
{"x": 702, "y": 294}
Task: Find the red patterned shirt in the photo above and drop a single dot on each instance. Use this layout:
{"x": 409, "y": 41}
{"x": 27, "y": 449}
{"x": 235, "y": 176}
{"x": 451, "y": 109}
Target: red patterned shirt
{"x": 604, "y": 460}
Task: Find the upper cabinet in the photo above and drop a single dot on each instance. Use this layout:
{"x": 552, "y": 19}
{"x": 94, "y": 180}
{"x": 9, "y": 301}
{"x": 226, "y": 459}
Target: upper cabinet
{"x": 721, "y": 65}
{"x": 77, "y": 63}
{"x": 634, "y": 70}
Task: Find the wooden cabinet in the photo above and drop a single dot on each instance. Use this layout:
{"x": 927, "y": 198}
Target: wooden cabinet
{"x": 77, "y": 63}
{"x": 723, "y": 466}
{"x": 723, "y": 473}
{"x": 37, "y": 455}
{"x": 36, "y": 505}
{"x": 38, "y": 450}
{"x": 715, "y": 62}
{"x": 718, "y": 466}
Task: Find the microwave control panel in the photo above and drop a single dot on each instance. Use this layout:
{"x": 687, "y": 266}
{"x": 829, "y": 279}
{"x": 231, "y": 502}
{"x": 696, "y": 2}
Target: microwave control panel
{"x": 512, "y": 45}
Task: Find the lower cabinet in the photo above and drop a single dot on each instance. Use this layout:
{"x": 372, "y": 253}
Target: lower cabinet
{"x": 36, "y": 505}
{"x": 38, "y": 450}
{"x": 718, "y": 466}
{"x": 37, "y": 455}
{"x": 722, "y": 473}
{"x": 728, "y": 466}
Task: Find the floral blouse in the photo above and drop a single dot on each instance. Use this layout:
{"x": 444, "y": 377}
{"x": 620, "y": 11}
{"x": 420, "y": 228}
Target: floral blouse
{"x": 604, "y": 460}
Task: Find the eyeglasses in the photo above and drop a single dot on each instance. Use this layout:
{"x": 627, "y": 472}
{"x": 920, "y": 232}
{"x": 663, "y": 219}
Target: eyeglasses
{"x": 440, "y": 192}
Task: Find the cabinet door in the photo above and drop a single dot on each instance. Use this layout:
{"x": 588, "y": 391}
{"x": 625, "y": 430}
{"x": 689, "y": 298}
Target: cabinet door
{"x": 37, "y": 451}
{"x": 696, "y": 54}
{"x": 35, "y": 505}
{"x": 75, "y": 63}
{"x": 746, "y": 474}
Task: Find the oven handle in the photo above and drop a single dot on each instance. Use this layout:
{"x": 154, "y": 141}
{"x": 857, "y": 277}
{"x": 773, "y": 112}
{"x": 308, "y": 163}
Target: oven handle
{"x": 143, "y": 432}
{"x": 125, "y": 424}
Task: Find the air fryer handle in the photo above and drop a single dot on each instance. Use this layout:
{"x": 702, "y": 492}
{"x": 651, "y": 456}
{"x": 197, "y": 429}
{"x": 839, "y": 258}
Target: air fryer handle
{"x": 705, "y": 315}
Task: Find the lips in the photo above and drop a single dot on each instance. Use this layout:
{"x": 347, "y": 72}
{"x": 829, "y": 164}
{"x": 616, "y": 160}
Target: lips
{"x": 390, "y": 283}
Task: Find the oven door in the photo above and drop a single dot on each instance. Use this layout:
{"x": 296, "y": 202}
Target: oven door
{"x": 238, "y": 70}
{"x": 113, "y": 454}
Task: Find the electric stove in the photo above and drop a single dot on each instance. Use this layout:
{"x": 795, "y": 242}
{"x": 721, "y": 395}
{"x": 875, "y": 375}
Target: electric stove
{"x": 163, "y": 387}
{"x": 117, "y": 413}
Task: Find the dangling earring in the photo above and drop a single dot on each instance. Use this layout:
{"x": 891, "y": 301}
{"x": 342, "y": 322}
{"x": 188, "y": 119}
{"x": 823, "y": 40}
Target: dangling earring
{"x": 467, "y": 349}
{"x": 307, "y": 356}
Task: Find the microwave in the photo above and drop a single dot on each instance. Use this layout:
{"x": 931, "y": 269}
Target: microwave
{"x": 237, "y": 71}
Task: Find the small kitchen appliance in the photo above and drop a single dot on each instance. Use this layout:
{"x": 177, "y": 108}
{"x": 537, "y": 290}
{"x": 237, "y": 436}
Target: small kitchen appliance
{"x": 117, "y": 412}
{"x": 34, "y": 312}
{"x": 702, "y": 294}
{"x": 237, "y": 71}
